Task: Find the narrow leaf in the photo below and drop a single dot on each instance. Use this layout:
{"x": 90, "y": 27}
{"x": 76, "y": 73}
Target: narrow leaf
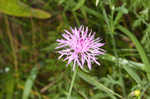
{"x": 10, "y": 86}
{"x": 17, "y": 8}
{"x": 139, "y": 48}
{"x": 94, "y": 82}
{"x": 97, "y": 1}
{"x": 79, "y": 5}
{"x": 132, "y": 73}
{"x": 29, "y": 82}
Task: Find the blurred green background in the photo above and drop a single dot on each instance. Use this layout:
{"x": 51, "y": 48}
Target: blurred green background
{"x": 29, "y": 65}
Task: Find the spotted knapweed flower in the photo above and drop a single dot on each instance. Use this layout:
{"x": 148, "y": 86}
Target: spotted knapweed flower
{"x": 80, "y": 47}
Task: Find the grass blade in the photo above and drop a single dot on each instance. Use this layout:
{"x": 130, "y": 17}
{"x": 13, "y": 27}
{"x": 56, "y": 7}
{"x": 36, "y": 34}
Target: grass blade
{"x": 132, "y": 73}
{"x": 94, "y": 82}
{"x": 10, "y": 86}
{"x": 139, "y": 48}
{"x": 127, "y": 65}
{"x": 29, "y": 82}
{"x": 79, "y": 5}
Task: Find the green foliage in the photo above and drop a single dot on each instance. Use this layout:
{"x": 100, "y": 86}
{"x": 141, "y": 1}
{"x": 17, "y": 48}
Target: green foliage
{"x": 29, "y": 83}
{"x": 17, "y": 8}
{"x": 139, "y": 48}
{"x": 94, "y": 82}
{"x": 29, "y": 65}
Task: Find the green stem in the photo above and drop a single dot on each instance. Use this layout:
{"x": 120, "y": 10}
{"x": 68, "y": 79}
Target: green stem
{"x": 72, "y": 83}
{"x": 13, "y": 46}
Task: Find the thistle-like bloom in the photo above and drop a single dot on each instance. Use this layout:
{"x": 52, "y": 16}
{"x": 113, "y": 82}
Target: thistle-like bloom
{"x": 80, "y": 47}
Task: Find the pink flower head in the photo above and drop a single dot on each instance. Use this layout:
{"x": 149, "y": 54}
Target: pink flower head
{"x": 80, "y": 47}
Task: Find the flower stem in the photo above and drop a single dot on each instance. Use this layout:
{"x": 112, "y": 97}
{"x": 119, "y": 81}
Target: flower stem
{"x": 72, "y": 83}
